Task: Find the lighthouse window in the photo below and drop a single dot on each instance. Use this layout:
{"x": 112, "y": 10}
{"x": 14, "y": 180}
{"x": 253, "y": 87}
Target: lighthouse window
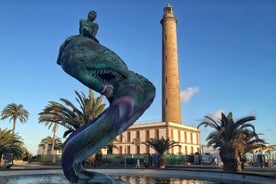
{"x": 168, "y": 10}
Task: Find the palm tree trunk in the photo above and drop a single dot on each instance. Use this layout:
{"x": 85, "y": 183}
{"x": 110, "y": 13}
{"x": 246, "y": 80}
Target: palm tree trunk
{"x": 53, "y": 147}
{"x": 14, "y": 125}
{"x": 161, "y": 161}
{"x": 239, "y": 168}
{"x": 227, "y": 155}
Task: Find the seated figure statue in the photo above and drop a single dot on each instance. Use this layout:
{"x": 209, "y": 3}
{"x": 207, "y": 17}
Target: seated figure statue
{"x": 87, "y": 27}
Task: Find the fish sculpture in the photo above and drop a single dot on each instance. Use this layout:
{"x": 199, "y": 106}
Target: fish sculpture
{"x": 129, "y": 95}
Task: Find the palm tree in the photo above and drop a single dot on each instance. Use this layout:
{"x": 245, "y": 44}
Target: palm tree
{"x": 248, "y": 141}
{"x": 90, "y": 107}
{"x": 231, "y": 138}
{"x": 161, "y": 146}
{"x": 70, "y": 116}
{"x": 10, "y": 143}
{"x": 14, "y": 111}
{"x": 49, "y": 123}
{"x": 56, "y": 143}
{"x": 58, "y": 114}
{"x": 26, "y": 155}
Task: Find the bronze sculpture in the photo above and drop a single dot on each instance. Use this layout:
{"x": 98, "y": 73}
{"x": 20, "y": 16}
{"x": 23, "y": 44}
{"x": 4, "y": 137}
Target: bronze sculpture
{"x": 128, "y": 93}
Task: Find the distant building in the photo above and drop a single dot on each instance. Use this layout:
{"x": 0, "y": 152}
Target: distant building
{"x": 207, "y": 149}
{"x": 45, "y": 149}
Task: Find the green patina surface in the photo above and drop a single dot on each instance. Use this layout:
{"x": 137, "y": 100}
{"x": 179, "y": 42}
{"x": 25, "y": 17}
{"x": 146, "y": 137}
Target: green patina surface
{"x": 102, "y": 70}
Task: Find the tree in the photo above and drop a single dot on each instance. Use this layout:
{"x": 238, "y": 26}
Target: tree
{"x": 14, "y": 111}
{"x": 161, "y": 146}
{"x": 10, "y": 143}
{"x": 231, "y": 138}
{"x": 49, "y": 122}
{"x": 49, "y": 140}
{"x": 70, "y": 116}
{"x": 90, "y": 107}
{"x": 26, "y": 155}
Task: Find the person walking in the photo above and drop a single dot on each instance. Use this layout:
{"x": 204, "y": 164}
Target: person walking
{"x": 137, "y": 163}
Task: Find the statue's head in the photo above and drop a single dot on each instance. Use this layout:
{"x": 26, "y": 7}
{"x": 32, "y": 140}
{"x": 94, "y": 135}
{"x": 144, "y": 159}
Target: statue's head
{"x": 92, "y": 15}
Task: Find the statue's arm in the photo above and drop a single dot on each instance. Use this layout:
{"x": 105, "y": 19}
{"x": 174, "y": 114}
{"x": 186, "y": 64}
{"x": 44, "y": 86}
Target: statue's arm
{"x": 95, "y": 29}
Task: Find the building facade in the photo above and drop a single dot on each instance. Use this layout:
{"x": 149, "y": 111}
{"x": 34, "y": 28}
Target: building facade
{"x": 45, "y": 149}
{"x": 131, "y": 141}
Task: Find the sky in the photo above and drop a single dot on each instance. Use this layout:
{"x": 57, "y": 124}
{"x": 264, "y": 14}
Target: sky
{"x": 226, "y": 55}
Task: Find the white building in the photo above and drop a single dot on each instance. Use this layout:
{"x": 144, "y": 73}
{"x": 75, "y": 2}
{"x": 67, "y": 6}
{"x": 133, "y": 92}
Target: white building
{"x": 130, "y": 142}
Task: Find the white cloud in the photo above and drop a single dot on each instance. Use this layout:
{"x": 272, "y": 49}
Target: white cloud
{"x": 186, "y": 95}
{"x": 216, "y": 115}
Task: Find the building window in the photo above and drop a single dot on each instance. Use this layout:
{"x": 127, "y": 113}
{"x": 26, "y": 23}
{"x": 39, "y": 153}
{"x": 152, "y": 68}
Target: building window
{"x": 147, "y": 135}
{"x": 128, "y": 150}
{"x": 172, "y": 136}
{"x": 197, "y": 139}
{"x": 121, "y": 138}
{"x": 128, "y": 136}
{"x": 172, "y": 150}
{"x": 165, "y": 37}
{"x": 120, "y": 149}
{"x": 147, "y": 149}
{"x": 186, "y": 150}
{"x": 179, "y": 136}
{"x": 157, "y": 133}
{"x": 192, "y": 138}
{"x": 179, "y": 149}
{"x": 185, "y": 137}
{"x": 137, "y": 149}
{"x": 168, "y": 10}
{"x": 192, "y": 149}
{"x": 138, "y": 134}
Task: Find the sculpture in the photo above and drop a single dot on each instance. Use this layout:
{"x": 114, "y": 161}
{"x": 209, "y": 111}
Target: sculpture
{"x": 128, "y": 93}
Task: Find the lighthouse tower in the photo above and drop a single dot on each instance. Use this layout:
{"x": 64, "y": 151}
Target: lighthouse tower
{"x": 171, "y": 111}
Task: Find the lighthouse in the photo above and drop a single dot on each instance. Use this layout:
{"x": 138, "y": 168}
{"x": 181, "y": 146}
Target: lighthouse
{"x": 171, "y": 110}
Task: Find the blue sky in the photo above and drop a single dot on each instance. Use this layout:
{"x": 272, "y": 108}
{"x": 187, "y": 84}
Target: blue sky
{"x": 226, "y": 53}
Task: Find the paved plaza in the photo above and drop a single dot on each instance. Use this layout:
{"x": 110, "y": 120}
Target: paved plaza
{"x": 27, "y": 169}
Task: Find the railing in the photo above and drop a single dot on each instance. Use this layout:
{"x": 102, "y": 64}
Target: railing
{"x": 145, "y": 159}
{"x": 129, "y": 159}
